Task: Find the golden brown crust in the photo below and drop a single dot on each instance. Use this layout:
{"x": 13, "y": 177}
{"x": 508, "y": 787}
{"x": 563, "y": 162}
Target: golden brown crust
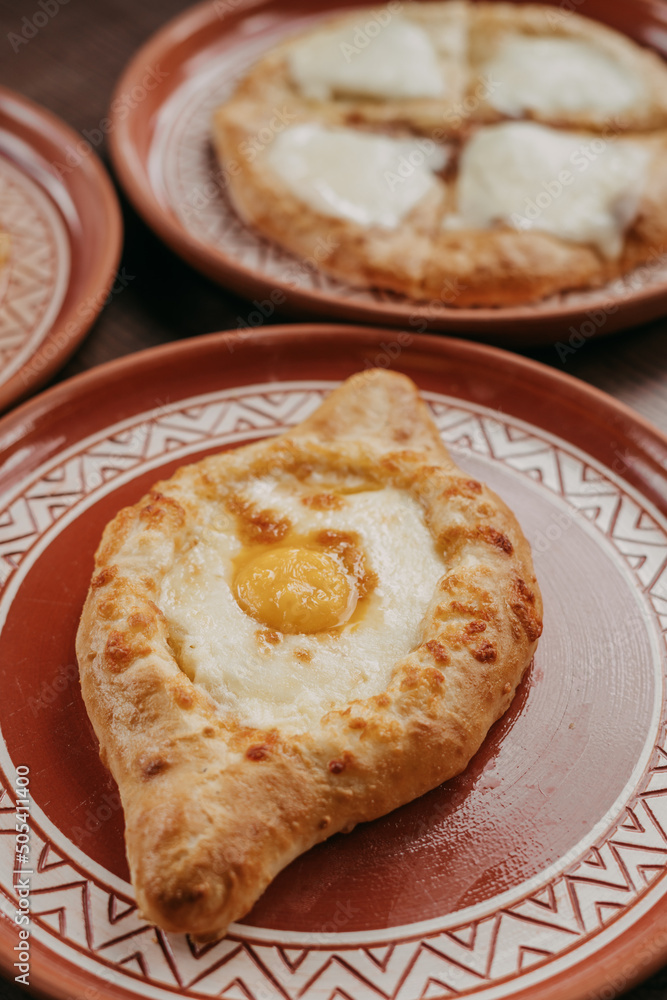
{"x": 460, "y": 268}
{"x": 493, "y": 22}
{"x": 5, "y": 246}
{"x": 215, "y": 808}
{"x": 269, "y": 84}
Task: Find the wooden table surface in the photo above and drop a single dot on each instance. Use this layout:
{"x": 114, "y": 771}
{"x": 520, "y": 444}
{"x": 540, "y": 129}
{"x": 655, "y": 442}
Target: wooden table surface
{"x": 70, "y": 66}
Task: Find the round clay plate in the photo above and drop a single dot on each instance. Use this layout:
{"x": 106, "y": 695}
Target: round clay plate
{"x": 61, "y": 213}
{"x": 162, "y": 152}
{"x": 537, "y": 873}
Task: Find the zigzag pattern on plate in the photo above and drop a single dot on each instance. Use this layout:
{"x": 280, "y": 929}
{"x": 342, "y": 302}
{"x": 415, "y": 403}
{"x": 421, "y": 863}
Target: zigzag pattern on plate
{"x": 37, "y": 269}
{"x": 95, "y": 920}
{"x": 79, "y": 909}
{"x": 47, "y": 499}
{"x": 631, "y": 530}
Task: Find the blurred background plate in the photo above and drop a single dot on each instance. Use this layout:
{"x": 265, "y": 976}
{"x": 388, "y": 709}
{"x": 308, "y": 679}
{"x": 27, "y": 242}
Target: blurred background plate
{"x": 161, "y": 150}
{"x": 64, "y": 222}
{"x": 538, "y": 873}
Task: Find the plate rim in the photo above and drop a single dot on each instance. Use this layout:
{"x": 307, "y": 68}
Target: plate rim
{"x": 42, "y": 402}
{"x": 217, "y": 264}
{"x": 98, "y": 274}
{"x": 584, "y": 976}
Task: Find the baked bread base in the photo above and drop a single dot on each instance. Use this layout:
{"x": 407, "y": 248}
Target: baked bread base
{"x": 5, "y": 246}
{"x": 491, "y": 23}
{"x": 461, "y": 268}
{"x": 215, "y": 808}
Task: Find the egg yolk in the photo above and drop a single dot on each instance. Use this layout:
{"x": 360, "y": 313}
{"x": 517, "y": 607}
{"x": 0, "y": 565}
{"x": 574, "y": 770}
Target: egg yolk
{"x": 295, "y": 590}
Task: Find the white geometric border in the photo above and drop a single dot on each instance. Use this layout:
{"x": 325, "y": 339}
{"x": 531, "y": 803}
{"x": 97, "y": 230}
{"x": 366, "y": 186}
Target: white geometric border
{"x": 594, "y": 892}
{"x": 38, "y": 269}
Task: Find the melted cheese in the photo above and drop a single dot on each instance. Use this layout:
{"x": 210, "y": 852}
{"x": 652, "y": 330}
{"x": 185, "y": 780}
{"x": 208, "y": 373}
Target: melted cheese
{"x": 290, "y": 679}
{"x": 559, "y": 75}
{"x": 394, "y": 59}
{"x": 577, "y": 187}
{"x": 347, "y": 174}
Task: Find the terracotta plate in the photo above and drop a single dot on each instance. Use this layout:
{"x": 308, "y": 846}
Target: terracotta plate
{"x": 538, "y": 873}
{"x": 161, "y": 150}
{"x": 61, "y": 212}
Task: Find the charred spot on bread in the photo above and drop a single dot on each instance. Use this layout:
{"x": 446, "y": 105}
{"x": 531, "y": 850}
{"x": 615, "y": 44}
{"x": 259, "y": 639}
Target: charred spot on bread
{"x": 496, "y": 538}
{"x": 485, "y": 653}
{"x": 257, "y": 526}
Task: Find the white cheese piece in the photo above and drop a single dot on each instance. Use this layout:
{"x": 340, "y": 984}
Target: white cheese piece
{"x": 369, "y": 179}
{"x": 394, "y": 59}
{"x": 218, "y": 641}
{"x": 554, "y": 76}
{"x": 582, "y": 188}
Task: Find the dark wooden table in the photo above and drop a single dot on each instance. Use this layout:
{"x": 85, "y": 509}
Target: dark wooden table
{"x": 70, "y": 66}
